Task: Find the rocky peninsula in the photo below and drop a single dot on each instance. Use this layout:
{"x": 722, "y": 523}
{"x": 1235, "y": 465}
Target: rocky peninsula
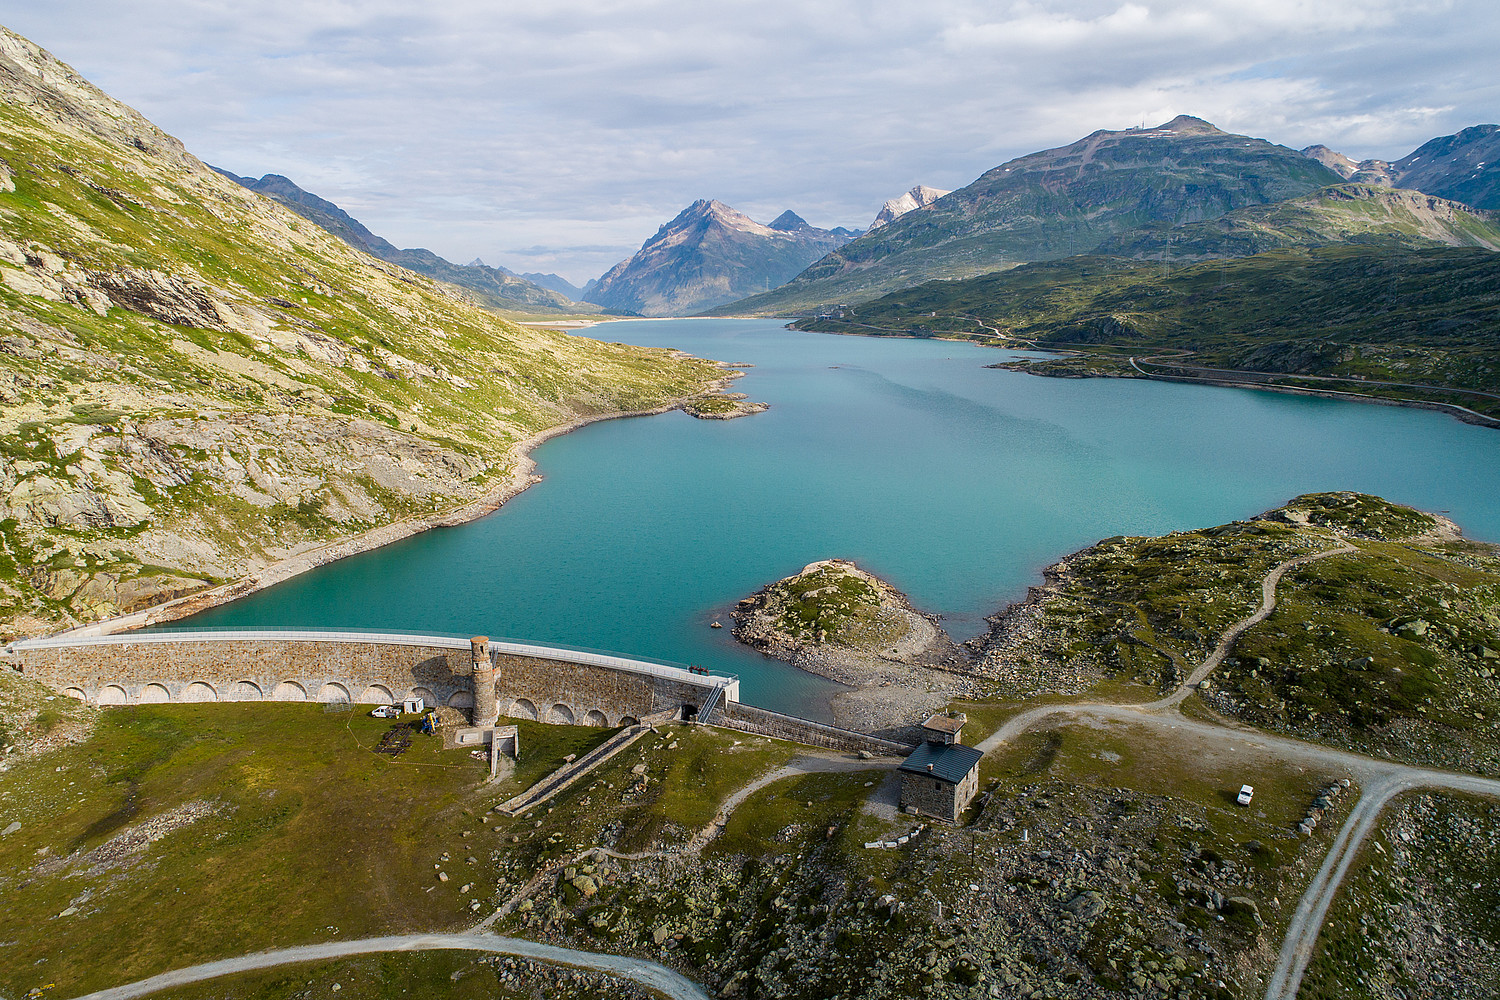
{"x": 835, "y": 620}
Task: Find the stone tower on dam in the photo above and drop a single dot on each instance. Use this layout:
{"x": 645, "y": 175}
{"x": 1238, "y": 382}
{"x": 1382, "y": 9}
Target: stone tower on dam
{"x": 486, "y": 709}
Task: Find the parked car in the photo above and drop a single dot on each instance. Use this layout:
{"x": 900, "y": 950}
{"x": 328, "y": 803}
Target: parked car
{"x": 1246, "y": 794}
{"x": 386, "y": 712}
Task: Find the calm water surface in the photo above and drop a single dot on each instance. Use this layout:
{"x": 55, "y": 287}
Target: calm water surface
{"x": 955, "y": 482}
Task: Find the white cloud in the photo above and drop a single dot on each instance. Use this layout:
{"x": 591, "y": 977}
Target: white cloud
{"x": 562, "y": 134}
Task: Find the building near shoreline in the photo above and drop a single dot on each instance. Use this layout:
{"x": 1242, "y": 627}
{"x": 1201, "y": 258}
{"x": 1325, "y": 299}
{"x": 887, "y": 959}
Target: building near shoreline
{"x": 941, "y": 776}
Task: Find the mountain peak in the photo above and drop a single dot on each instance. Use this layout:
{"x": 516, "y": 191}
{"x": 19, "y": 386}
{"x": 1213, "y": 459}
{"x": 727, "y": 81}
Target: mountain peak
{"x": 1187, "y": 123}
{"x": 709, "y": 212}
{"x": 1464, "y": 166}
{"x": 710, "y": 254}
{"x": 918, "y": 197}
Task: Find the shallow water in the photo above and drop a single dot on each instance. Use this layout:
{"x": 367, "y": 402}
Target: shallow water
{"x": 955, "y": 482}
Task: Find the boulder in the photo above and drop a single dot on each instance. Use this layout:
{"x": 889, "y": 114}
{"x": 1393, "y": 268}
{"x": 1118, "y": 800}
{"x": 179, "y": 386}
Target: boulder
{"x": 1242, "y": 906}
{"x": 1087, "y": 906}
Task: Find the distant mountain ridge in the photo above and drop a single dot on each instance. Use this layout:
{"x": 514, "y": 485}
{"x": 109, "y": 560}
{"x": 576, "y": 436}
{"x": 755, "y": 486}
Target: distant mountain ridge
{"x": 1463, "y": 167}
{"x": 711, "y": 254}
{"x": 1055, "y": 203}
{"x": 495, "y": 286}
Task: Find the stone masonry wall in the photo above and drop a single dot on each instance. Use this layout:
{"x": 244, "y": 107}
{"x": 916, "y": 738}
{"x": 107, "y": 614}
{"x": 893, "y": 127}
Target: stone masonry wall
{"x": 749, "y": 719}
{"x": 935, "y": 797}
{"x": 362, "y": 672}
{"x": 253, "y": 670}
{"x": 554, "y": 691}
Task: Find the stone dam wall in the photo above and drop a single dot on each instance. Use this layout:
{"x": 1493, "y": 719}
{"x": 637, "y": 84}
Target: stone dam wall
{"x": 762, "y": 722}
{"x": 545, "y": 683}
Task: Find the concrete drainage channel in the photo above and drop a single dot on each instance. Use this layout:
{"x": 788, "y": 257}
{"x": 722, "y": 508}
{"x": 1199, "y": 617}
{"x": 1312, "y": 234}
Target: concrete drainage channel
{"x": 571, "y": 772}
{"x": 648, "y": 974}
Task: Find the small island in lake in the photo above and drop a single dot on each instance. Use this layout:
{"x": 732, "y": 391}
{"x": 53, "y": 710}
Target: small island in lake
{"x": 835, "y": 620}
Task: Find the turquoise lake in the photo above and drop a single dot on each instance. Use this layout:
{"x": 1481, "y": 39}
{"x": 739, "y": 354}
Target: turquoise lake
{"x": 955, "y": 482}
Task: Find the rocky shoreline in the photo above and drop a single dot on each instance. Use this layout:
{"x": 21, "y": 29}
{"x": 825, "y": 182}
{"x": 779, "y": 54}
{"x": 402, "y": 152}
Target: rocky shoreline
{"x": 522, "y": 476}
{"x": 898, "y": 662}
{"x": 1050, "y": 368}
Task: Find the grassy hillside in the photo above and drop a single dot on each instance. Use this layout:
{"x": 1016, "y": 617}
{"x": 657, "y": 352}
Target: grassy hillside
{"x": 1392, "y": 650}
{"x": 1428, "y": 315}
{"x": 195, "y": 382}
{"x": 133, "y": 838}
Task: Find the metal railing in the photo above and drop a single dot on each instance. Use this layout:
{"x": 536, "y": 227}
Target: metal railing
{"x": 715, "y": 698}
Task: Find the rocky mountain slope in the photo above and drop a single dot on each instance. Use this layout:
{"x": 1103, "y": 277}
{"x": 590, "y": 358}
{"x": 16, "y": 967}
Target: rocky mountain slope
{"x": 1346, "y": 213}
{"x": 495, "y": 286}
{"x": 918, "y": 197}
{"x": 1056, "y": 203}
{"x": 708, "y": 255}
{"x": 196, "y": 383}
{"x": 1463, "y": 167}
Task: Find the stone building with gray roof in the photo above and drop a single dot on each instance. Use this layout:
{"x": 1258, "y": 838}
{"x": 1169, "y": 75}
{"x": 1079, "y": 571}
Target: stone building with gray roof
{"x": 941, "y": 776}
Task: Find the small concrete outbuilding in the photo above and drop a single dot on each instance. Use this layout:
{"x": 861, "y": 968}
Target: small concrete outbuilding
{"x": 941, "y": 776}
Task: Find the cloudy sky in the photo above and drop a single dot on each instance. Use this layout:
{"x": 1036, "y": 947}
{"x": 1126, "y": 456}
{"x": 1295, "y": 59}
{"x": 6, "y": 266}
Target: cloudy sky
{"x": 556, "y": 135}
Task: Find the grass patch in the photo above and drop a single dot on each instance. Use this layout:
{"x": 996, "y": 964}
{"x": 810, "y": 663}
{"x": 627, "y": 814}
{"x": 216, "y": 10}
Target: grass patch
{"x": 310, "y": 837}
{"x": 543, "y": 748}
{"x": 1366, "y": 649}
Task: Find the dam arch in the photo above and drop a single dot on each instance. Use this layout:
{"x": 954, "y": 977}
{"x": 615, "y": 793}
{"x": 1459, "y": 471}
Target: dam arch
{"x": 377, "y": 694}
{"x": 289, "y": 691}
{"x": 246, "y": 691}
{"x": 334, "y": 693}
{"x": 199, "y": 691}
